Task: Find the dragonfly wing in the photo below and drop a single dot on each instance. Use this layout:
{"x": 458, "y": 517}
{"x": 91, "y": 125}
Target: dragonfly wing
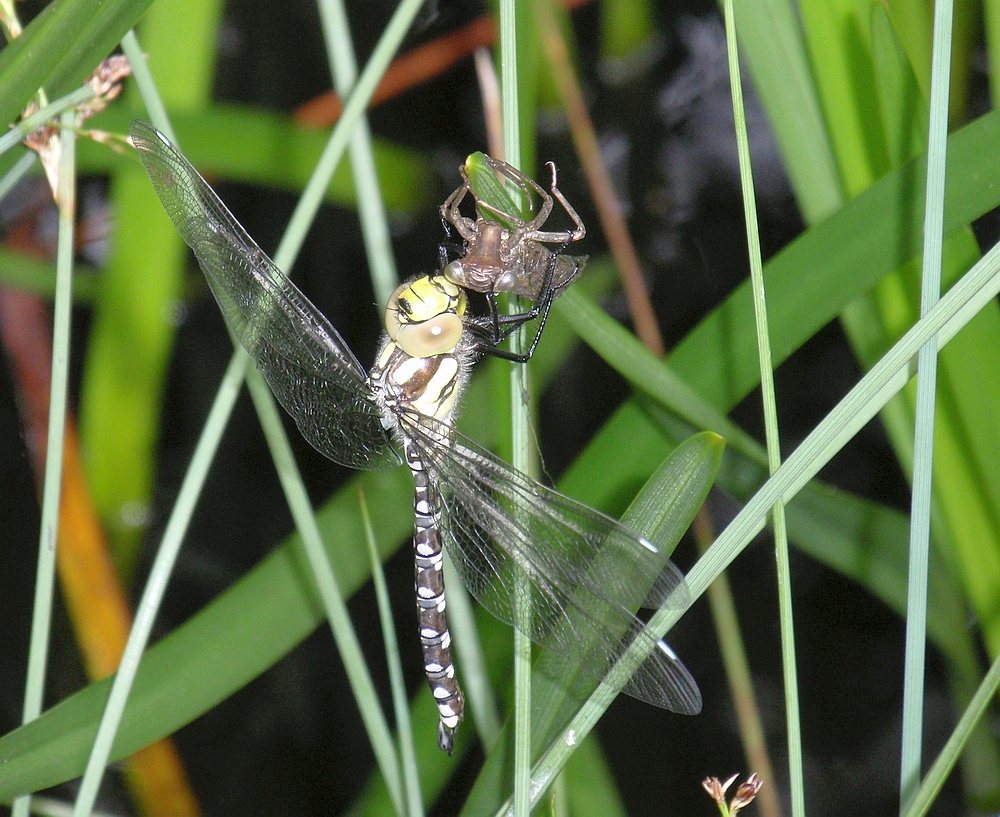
{"x": 305, "y": 361}
{"x": 581, "y": 573}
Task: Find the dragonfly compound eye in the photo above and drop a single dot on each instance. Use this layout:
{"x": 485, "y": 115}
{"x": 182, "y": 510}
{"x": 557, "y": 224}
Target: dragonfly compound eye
{"x": 394, "y": 317}
{"x": 436, "y": 336}
{"x": 425, "y": 305}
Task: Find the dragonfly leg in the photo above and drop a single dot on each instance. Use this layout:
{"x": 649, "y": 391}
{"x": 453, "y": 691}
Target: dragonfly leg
{"x": 500, "y": 327}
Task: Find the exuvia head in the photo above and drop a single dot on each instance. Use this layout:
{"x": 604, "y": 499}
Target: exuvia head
{"x": 424, "y": 316}
{"x": 457, "y": 273}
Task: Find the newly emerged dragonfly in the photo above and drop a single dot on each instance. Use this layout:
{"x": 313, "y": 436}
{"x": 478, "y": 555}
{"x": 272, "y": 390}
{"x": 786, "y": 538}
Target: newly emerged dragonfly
{"x": 513, "y": 540}
{"x": 504, "y": 253}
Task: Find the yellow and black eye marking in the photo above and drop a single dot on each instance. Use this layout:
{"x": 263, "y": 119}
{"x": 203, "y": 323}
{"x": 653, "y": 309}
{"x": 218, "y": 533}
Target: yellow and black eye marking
{"x": 424, "y": 316}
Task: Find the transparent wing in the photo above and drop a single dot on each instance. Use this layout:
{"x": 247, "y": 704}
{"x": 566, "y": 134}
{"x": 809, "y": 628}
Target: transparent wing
{"x": 581, "y": 573}
{"x": 305, "y": 361}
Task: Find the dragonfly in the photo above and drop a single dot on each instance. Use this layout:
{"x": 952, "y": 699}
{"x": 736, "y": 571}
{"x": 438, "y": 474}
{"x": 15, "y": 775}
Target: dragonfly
{"x": 513, "y": 541}
{"x": 514, "y": 258}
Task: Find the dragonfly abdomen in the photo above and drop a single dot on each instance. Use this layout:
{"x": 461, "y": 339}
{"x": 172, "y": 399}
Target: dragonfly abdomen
{"x": 435, "y": 638}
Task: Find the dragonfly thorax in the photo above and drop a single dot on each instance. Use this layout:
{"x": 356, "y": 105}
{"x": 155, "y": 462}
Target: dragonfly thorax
{"x": 429, "y": 386}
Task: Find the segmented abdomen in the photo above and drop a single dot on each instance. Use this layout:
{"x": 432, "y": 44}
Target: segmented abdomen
{"x": 435, "y": 638}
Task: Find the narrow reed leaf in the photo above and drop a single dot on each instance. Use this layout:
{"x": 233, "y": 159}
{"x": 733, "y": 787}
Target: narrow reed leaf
{"x": 923, "y": 446}
{"x": 513, "y": 22}
{"x": 41, "y": 616}
{"x": 946, "y": 760}
{"x": 401, "y": 705}
{"x": 793, "y": 719}
{"x": 471, "y": 659}
{"x": 59, "y": 49}
{"x": 371, "y": 208}
{"x": 148, "y": 90}
{"x": 902, "y": 103}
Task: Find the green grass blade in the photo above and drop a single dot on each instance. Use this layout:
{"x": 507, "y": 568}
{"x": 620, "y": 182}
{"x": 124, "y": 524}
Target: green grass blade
{"x": 148, "y": 89}
{"x": 60, "y": 48}
{"x": 923, "y": 464}
{"x": 902, "y": 104}
{"x": 786, "y": 612}
{"x": 41, "y": 618}
{"x": 836, "y": 33}
{"x": 401, "y": 707}
{"x": 371, "y": 208}
{"x": 772, "y": 43}
{"x": 946, "y": 760}
{"x": 514, "y": 20}
{"x": 400, "y": 704}
{"x": 23, "y": 128}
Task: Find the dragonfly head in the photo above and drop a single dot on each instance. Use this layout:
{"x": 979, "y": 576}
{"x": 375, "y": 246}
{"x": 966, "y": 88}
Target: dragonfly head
{"x": 424, "y": 317}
